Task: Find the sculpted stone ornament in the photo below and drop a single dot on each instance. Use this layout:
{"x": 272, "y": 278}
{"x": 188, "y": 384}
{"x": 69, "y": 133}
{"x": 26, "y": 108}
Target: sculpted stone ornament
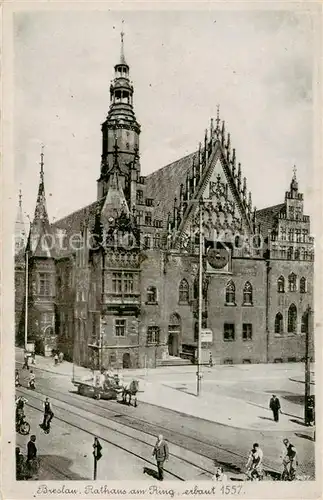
{"x": 217, "y": 257}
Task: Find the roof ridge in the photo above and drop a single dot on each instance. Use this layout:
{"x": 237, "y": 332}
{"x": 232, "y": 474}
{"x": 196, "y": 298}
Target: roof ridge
{"x": 76, "y": 212}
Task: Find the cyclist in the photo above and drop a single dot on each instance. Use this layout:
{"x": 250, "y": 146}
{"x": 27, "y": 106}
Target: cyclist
{"x": 289, "y": 461}
{"x": 254, "y": 463}
{"x": 20, "y": 404}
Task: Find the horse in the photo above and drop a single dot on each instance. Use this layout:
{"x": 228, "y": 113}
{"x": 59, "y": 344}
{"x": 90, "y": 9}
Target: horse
{"x": 130, "y": 390}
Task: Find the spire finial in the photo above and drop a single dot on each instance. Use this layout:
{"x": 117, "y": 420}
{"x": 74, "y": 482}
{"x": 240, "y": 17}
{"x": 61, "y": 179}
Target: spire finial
{"x": 42, "y": 161}
{"x": 294, "y": 172}
{"x": 20, "y": 198}
{"x": 122, "y": 57}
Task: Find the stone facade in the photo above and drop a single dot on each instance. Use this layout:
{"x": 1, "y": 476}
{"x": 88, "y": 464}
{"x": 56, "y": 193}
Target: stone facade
{"x": 116, "y": 283}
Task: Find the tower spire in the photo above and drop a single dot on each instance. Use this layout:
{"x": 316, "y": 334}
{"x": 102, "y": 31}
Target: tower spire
{"x": 122, "y": 57}
{"x": 41, "y": 209}
{"x": 20, "y": 231}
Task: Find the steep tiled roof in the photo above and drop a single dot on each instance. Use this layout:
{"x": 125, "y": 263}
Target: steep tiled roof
{"x": 267, "y": 217}
{"x": 72, "y": 224}
{"x": 164, "y": 185}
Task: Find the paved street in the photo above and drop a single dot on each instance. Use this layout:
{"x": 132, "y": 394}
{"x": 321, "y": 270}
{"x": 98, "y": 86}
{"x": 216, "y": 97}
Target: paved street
{"x": 194, "y": 443}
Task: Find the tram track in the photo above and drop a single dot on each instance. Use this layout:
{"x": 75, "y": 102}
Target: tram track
{"x": 231, "y": 460}
{"x": 39, "y": 398}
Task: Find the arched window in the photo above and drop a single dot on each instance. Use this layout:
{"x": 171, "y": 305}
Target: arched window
{"x": 304, "y": 324}
{"x": 184, "y": 291}
{"x": 279, "y": 323}
{"x": 230, "y": 293}
{"x": 302, "y": 285}
{"x": 292, "y": 282}
{"x": 281, "y": 284}
{"x": 292, "y": 319}
{"x": 151, "y": 295}
{"x": 247, "y": 294}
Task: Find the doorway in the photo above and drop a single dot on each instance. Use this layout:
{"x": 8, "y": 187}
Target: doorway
{"x": 126, "y": 360}
{"x": 174, "y": 333}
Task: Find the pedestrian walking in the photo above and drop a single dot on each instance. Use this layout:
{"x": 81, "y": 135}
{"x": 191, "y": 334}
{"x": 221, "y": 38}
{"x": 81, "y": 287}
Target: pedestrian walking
{"x": 274, "y": 405}
{"x": 26, "y": 361}
{"x": 48, "y": 416}
{"x": 56, "y": 359}
{"x": 161, "y": 454}
{"x": 61, "y": 357}
{"x": 33, "y": 359}
{"x": 210, "y": 360}
{"x": 31, "y": 380}
{"x": 31, "y": 462}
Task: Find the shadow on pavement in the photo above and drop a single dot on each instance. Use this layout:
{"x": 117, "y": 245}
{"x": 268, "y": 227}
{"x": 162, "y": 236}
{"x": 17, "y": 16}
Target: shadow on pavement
{"x": 299, "y": 422}
{"x": 266, "y": 418}
{"x": 150, "y": 472}
{"x": 57, "y": 467}
{"x": 304, "y": 436}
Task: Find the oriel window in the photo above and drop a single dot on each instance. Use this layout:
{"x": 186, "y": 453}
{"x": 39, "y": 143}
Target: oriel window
{"x": 117, "y": 282}
{"x": 44, "y": 287}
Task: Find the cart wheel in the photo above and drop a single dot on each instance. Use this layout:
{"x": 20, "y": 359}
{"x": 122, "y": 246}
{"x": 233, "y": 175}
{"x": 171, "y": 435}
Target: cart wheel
{"x": 24, "y": 429}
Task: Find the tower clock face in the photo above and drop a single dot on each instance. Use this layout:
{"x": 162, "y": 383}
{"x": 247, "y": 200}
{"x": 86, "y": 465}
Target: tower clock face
{"x": 217, "y": 257}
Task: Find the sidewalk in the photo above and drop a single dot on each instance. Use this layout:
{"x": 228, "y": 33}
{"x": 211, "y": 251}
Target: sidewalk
{"x": 211, "y": 405}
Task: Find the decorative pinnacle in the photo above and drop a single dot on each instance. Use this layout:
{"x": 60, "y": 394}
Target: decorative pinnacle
{"x": 294, "y": 172}
{"x": 20, "y": 198}
{"x": 217, "y": 116}
{"x": 42, "y": 162}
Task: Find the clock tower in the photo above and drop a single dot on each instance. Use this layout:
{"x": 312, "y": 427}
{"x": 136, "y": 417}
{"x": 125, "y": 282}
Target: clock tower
{"x": 120, "y": 130}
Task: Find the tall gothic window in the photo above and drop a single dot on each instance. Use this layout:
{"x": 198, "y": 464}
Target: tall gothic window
{"x": 283, "y": 234}
{"x": 292, "y": 319}
{"x": 281, "y": 284}
{"x": 128, "y": 283}
{"x": 247, "y": 294}
{"x": 292, "y": 285}
{"x": 117, "y": 282}
{"x": 304, "y": 324}
{"x": 151, "y": 294}
{"x": 230, "y": 293}
{"x": 290, "y": 253}
{"x": 291, "y": 235}
{"x": 302, "y": 285}
{"x": 279, "y": 323}
{"x": 184, "y": 291}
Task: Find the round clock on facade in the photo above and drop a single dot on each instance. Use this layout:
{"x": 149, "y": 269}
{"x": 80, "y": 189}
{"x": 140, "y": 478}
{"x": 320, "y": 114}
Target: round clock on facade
{"x": 217, "y": 257}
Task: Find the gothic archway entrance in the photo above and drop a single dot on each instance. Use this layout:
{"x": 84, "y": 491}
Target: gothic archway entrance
{"x": 174, "y": 334}
{"x": 126, "y": 363}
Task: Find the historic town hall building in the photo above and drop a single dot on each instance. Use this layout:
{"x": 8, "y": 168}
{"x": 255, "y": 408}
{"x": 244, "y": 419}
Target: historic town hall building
{"x": 116, "y": 283}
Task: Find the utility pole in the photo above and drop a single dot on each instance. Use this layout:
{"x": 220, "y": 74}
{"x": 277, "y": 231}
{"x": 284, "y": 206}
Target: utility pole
{"x": 200, "y": 304}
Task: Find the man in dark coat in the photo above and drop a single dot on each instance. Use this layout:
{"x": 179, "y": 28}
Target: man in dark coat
{"x": 274, "y": 405}
{"x": 161, "y": 454}
{"x": 48, "y": 415}
{"x": 31, "y": 456}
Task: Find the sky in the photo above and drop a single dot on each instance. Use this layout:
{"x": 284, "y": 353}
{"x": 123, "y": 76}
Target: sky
{"x": 257, "y": 65}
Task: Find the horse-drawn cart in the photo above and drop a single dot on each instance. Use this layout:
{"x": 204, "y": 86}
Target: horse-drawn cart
{"x": 106, "y": 386}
